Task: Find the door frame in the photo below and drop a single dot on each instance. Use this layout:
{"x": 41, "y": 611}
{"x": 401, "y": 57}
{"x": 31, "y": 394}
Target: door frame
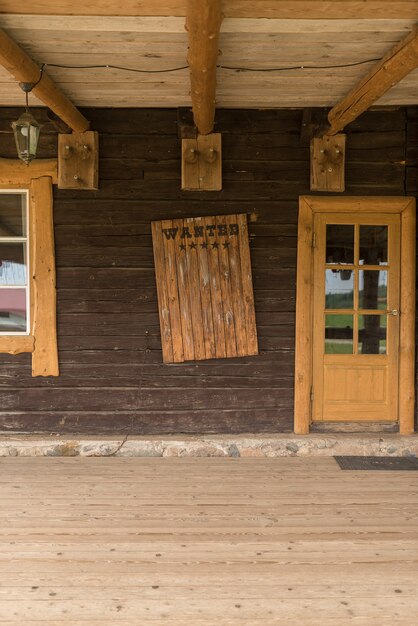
{"x": 308, "y": 206}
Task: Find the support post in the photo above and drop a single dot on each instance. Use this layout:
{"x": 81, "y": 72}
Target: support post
{"x": 203, "y": 23}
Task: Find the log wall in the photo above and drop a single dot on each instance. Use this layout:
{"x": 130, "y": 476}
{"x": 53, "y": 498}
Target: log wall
{"x": 112, "y": 377}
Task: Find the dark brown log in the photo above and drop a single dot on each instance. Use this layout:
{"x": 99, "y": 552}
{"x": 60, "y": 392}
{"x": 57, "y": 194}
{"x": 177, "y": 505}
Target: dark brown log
{"x": 148, "y": 423}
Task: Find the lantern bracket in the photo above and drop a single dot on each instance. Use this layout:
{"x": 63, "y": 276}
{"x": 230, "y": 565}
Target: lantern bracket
{"x": 27, "y": 87}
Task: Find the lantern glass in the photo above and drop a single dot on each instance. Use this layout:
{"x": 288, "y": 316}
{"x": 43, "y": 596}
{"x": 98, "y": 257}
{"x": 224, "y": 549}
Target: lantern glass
{"x": 26, "y": 131}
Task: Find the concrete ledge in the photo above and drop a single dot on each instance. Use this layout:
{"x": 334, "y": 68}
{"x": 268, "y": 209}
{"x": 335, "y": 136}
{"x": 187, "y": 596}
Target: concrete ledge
{"x": 267, "y": 446}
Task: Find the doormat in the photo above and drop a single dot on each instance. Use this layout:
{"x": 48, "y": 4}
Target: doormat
{"x": 377, "y": 463}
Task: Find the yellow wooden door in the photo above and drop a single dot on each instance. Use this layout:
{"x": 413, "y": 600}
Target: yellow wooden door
{"x": 356, "y": 317}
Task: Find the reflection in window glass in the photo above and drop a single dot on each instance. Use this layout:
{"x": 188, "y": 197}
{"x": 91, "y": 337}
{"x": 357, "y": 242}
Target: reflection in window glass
{"x": 339, "y": 289}
{"x": 373, "y": 289}
{"x": 12, "y": 264}
{"x": 340, "y": 243}
{"x": 339, "y": 334}
{"x": 12, "y": 214}
{"x": 12, "y": 310}
{"x": 372, "y": 334}
{"x": 373, "y": 245}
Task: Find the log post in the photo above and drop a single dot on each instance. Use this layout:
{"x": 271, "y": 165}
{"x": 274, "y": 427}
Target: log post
{"x": 25, "y": 70}
{"x": 400, "y": 61}
{"x": 203, "y": 23}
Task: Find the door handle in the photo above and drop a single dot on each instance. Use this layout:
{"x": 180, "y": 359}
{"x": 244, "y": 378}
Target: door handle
{"x": 394, "y": 312}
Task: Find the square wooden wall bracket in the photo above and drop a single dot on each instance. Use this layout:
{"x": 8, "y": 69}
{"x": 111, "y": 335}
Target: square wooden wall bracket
{"x": 328, "y": 163}
{"x": 201, "y": 163}
{"x": 78, "y": 160}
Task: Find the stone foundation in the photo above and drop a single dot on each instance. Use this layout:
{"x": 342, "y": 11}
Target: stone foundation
{"x": 265, "y": 446}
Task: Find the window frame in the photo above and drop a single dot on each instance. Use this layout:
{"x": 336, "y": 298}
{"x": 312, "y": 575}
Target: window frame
{"x": 41, "y": 339}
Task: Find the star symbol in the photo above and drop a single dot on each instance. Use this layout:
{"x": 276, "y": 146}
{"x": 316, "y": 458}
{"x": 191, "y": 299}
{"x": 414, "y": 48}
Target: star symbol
{"x": 226, "y": 244}
{"x": 215, "y": 245}
{"x": 182, "y": 246}
{"x": 192, "y": 245}
{"x": 204, "y": 245}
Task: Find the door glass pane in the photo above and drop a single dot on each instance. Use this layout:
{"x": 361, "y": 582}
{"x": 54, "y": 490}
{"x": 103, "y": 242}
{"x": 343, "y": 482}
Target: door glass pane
{"x": 338, "y": 334}
{"x": 373, "y": 289}
{"x": 339, "y": 289}
{"x": 12, "y": 310}
{"x": 12, "y": 215}
{"x": 372, "y": 334}
{"x": 340, "y": 243}
{"x": 12, "y": 264}
{"x": 373, "y": 245}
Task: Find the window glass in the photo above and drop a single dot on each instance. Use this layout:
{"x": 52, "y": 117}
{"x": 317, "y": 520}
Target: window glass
{"x": 12, "y": 310}
{"x": 372, "y": 334}
{"x": 373, "y": 245}
{"x": 340, "y": 244}
{"x": 13, "y": 215}
{"x": 338, "y": 334}
{"x": 13, "y": 263}
{"x": 373, "y": 289}
{"x": 339, "y": 289}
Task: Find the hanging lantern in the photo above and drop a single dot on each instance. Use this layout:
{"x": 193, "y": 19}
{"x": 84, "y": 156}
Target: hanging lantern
{"x": 26, "y": 131}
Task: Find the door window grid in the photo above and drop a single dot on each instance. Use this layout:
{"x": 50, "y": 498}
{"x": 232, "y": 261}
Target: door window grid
{"x": 19, "y": 281}
{"x": 355, "y": 316}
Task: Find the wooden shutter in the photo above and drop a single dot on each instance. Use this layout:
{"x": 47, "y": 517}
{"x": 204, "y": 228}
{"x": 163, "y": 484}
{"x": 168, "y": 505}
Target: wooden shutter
{"x": 204, "y": 284}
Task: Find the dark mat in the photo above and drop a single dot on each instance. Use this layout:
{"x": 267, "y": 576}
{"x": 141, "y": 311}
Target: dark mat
{"x": 377, "y": 463}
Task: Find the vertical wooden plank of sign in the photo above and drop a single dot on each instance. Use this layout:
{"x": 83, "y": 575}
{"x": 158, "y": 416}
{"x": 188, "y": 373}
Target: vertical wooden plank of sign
{"x": 226, "y": 287}
{"x": 184, "y": 292}
{"x": 215, "y": 288}
{"x": 236, "y": 284}
{"x": 163, "y": 306}
{"x": 45, "y": 355}
{"x": 170, "y": 243}
{"x": 205, "y": 294}
{"x": 247, "y": 284}
{"x": 194, "y": 292}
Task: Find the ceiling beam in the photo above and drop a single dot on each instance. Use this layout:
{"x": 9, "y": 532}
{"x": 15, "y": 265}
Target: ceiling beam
{"x": 25, "y": 70}
{"x": 384, "y": 75}
{"x": 279, "y": 9}
{"x": 203, "y": 22}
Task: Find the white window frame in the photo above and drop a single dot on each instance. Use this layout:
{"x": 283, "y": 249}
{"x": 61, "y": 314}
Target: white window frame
{"x": 26, "y": 241}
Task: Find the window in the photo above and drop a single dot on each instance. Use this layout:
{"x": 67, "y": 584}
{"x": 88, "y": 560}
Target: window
{"x": 14, "y": 270}
{"x": 27, "y": 266}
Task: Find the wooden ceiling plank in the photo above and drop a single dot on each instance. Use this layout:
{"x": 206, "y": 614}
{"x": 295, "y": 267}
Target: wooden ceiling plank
{"x": 92, "y": 23}
{"x": 25, "y": 70}
{"x": 203, "y": 23}
{"x": 283, "y": 9}
{"x": 151, "y": 26}
{"x": 388, "y": 72}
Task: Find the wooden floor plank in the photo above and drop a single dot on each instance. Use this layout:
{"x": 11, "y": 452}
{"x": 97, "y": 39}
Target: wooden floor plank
{"x": 236, "y": 542}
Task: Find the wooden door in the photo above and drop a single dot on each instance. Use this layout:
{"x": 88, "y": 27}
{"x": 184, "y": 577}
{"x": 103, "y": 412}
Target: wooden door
{"x": 356, "y": 304}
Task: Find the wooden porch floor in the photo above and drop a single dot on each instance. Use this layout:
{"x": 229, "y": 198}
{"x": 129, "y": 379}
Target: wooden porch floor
{"x": 206, "y": 542}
